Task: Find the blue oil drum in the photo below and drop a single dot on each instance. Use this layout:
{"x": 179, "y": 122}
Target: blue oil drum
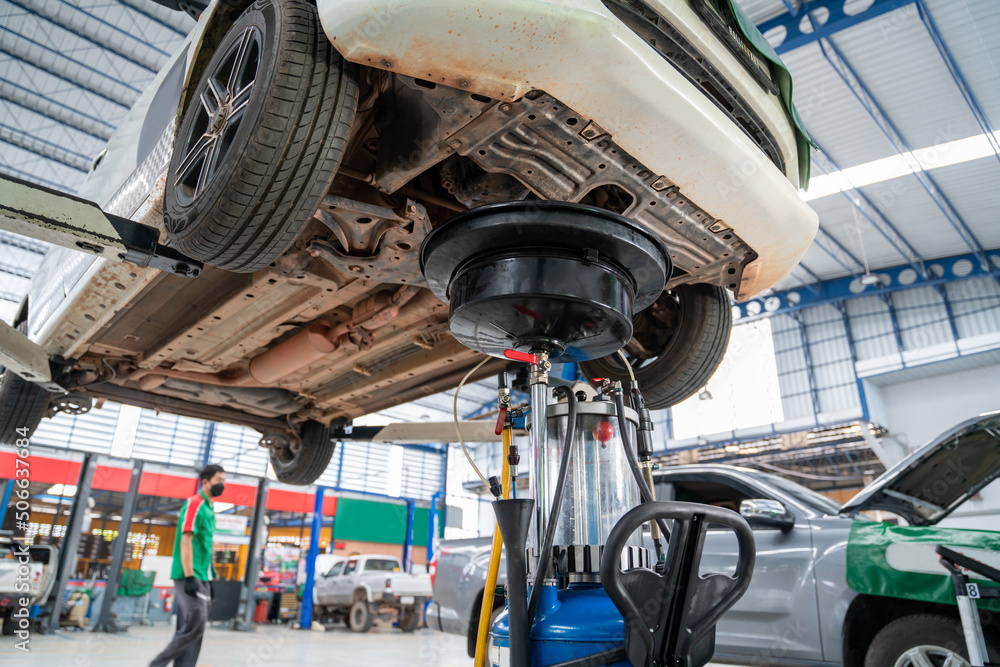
{"x": 575, "y": 622}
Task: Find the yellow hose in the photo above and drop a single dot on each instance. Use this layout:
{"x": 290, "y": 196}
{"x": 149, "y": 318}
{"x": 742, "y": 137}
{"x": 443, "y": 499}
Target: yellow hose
{"x": 491, "y": 575}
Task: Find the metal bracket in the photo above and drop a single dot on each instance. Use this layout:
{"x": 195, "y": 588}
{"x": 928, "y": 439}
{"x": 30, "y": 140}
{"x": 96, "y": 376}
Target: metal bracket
{"x": 385, "y": 248}
{"x": 71, "y": 222}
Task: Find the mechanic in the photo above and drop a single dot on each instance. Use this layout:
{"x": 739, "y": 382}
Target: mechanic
{"x": 193, "y": 571}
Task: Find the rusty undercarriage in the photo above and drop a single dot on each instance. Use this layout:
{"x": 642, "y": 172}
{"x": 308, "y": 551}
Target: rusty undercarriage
{"x": 341, "y": 325}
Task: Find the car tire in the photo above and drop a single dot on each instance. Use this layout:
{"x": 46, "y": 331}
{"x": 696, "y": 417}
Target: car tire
{"x": 409, "y": 619}
{"x": 23, "y": 404}
{"x": 303, "y": 461}
{"x": 936, "y": 637}
{"x": 360, "y": 618}
{"x": 473, "y": 635}
{"x": 8, "y": 626}
{"x": 687, "y": 332}
{"x": 244, "y": 180}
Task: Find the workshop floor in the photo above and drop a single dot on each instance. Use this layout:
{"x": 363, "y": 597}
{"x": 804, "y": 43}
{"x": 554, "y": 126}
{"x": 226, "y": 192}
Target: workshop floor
{"x": 269, "y": 646}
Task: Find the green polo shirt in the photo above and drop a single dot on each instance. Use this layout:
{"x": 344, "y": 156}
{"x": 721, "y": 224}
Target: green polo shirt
{"x": 198, "y": 517}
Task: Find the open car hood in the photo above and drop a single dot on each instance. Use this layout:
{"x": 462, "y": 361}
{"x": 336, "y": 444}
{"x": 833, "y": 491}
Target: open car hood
{"x": 931, "y": 482}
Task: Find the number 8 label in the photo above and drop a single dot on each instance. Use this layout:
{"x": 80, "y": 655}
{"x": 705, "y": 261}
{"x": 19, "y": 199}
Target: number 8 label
{"x": 972, "y": 590}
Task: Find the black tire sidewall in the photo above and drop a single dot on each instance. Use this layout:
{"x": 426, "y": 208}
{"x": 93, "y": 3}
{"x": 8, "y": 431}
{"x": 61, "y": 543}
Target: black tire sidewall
{"x": 23, "y": 404}
{"x": 366, "y": 621}
{"x": 412, "y": 619}
{"x": 265, "y": 16}
{"x": 905, "y": 633}
{"x": 313, "y": 457}
{"x": 690, "y": 358}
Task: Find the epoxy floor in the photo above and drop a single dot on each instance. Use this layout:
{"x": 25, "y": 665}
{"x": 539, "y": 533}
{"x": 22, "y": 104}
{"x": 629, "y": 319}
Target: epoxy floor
{"x": 269, "y": 646}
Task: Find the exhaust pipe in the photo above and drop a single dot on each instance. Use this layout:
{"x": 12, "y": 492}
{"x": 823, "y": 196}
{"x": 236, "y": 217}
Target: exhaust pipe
{"x": 514, "y": 521}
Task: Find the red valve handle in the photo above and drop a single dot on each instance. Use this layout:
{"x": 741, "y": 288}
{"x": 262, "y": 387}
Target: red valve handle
{"x": 501, "y": 419}
{"x": 521, "y": 356}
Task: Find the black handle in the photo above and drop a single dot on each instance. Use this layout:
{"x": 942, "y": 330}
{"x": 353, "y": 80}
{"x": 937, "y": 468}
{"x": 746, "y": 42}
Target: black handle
{"x": 956, "y": 558}
{"x": 679, "y": 575}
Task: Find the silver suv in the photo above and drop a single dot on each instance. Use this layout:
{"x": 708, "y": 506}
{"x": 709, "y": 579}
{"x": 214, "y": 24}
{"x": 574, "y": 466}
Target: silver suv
{"x": 829, "y": 586}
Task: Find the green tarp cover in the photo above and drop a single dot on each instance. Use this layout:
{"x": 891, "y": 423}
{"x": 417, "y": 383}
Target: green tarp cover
{"x": 784, "y": 81}
{"x": 136, "y": 582}
{"x": 899, "y": 561}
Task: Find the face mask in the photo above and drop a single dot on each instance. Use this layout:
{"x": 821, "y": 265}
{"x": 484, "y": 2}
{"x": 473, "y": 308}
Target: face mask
{"x": 217, "y": 489}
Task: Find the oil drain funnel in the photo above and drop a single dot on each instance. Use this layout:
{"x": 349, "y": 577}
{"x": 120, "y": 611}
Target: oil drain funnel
{"x": 514, "y": 520}
{"x": 544, "y": 276}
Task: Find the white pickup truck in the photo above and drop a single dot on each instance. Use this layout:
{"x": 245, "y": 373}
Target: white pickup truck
{"x": 26, "y": 578}
{"x": 360, "y": 589}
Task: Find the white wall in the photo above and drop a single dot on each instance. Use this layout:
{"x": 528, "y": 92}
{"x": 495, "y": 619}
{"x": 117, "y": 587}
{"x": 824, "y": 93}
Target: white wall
{"x": 921, "y": 409}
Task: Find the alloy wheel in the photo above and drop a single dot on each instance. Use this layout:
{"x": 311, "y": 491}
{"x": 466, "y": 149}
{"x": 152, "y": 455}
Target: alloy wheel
{"x": 221, "y": 108}
{"x": 931, "y": 656}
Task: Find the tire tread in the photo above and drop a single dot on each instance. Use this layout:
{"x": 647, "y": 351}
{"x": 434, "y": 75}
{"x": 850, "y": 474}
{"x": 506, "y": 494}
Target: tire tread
{"x": 276, "y": 185}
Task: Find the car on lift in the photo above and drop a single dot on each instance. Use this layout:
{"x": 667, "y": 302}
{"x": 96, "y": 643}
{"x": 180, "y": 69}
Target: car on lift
{"x": 361, "y": 589}
{"x": 830, "y": 586}
{"x": 302, "y": 151}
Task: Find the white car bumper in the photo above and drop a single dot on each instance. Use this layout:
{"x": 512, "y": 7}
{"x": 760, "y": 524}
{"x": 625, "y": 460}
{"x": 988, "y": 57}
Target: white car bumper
{"x": 578, "y": 52}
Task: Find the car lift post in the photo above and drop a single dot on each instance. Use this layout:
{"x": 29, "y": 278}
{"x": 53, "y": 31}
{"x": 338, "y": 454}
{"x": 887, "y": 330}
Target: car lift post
{"x": 8, "y": 487}
{"x": 246, "y": 624}
{"x": 104, "y": 622}
{"x": 315, "y": 530}
{"x": 71, "y": 539}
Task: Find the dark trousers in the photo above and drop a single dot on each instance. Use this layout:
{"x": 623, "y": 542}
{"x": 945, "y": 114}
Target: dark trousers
{"x": 192, "y": 617}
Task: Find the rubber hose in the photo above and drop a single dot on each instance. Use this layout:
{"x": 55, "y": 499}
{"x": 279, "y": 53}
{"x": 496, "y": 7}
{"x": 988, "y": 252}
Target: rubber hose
{"x": 486, "y": 610}
{"x": 545, "y": 555}
{"x": 633, "y": 463}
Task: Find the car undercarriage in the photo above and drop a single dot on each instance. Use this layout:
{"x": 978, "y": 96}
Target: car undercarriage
{"x": 421, "y": 153}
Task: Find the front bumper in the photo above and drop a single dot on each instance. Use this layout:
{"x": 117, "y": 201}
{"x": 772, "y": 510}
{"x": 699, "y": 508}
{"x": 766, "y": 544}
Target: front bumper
{"x": 584, "y": 56}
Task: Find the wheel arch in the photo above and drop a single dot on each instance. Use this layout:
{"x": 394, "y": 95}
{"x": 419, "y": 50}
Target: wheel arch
{"x": 473, "y": 632}
{"x": 221, "y": 16}
{"x": 868, "y": 614}
{"x": 362, "y": 592}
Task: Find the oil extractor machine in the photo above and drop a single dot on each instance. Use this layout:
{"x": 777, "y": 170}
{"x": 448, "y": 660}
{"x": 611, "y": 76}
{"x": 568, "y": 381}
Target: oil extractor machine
{"x": 549, "y": 282}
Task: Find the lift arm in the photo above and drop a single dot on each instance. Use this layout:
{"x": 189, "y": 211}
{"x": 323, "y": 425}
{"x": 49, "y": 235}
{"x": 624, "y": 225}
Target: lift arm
{"x": 71, "y": 222}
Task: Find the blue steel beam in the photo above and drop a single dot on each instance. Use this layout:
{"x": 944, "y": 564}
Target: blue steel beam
{"x": 841, "y": 255}
{"x": 834, "y": 291}
{"x": 864, "y": 206}
{"x": 49, "y": 15}
{"x": 22, "y": 243}
{"x": 14, "y": 93}
{"x": 810, "y": 368}
{"x": 956, "y": 74}
{"x": 137, "y": 7}
{"x": 315, "y": 535}
{"x": 11, "y": 170}
{"x": 62, "y": 76}
{"x": 96, "y": 71}
{"x": 44, "y": 148}
{"x": 790, "y": 5}
{"x": 125, "y": 33}
{"x": 838, "y": 20}
{"x": 857, "y": 87}
{"x": 802, "y": 273}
